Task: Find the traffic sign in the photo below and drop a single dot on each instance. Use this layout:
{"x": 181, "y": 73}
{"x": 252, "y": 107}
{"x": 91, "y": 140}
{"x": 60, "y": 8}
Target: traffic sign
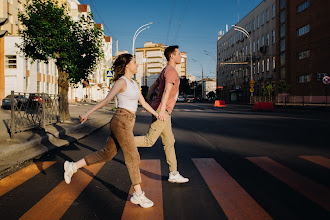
{"x": 326, "y": 80}
{"x": 109, "y": 73}
{"x": 252, "y": 83}
{"x": 251, "y": 89}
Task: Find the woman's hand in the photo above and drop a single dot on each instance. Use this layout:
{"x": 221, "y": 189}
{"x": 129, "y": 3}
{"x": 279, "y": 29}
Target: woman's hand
{"x": 83, "y": 117}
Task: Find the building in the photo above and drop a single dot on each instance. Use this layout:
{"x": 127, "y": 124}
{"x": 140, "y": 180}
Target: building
{"x": 233, "y": 54}
{"x": 209, "y": 85}
{"x": 191, "y": 78}
{"x": 21, "y": 75}
{"x": 303, "y": 45}
{"x": 151, "y": 61}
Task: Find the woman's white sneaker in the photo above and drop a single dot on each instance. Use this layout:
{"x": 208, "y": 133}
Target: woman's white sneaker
{"x": 175, "y": 177}
{"x": 141, "y": 200}
{"x": 70, "y": 168}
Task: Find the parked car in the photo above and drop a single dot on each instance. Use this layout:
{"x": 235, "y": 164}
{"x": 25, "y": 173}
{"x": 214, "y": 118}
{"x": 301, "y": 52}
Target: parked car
{"x": 36, "y": 99}
{"x": 190, "y": 98}
{"x": 181, "y": 98}
{"x": 18, "y": 99}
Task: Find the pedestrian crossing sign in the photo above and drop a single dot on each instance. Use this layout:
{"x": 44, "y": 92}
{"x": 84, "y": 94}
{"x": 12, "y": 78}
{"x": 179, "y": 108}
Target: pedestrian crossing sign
{"x": 109, "y": 73}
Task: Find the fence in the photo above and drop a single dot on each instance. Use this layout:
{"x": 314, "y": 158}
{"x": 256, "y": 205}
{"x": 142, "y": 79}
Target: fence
{"x": 32, "y": 110}
{"x": 284, "y": 99}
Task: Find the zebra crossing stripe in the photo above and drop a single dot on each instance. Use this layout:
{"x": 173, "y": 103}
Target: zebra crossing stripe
{"x": 322, "y": 161}
{"x": 233, "y": 199}
{"x": 57, "y": 202}
{"x": 10, "y": 182}
{"x": 312, "y": 190}
{"x": 152, "y": 186}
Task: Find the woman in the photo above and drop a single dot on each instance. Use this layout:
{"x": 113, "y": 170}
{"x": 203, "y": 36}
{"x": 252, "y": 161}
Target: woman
{"x": 121, "y": 127}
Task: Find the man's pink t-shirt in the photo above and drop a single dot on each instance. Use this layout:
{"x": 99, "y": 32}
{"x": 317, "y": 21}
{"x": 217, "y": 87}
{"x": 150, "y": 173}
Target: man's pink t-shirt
{"x": 168, "y": 75}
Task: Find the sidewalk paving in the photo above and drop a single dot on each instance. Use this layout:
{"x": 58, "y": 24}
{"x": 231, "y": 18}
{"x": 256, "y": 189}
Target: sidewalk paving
{"x": 29, "y": 144}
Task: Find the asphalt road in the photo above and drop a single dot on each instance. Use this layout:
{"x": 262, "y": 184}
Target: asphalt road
{"x": 241, "y": 165}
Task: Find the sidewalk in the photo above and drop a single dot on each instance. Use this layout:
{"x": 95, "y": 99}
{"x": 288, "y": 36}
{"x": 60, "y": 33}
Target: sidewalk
{"x": 32, "y": 143}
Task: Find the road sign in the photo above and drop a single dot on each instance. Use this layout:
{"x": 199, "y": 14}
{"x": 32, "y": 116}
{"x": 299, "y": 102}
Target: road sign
{"x": 326, "y": 80}
{"x": 109, "y": 73}
{"x": 252, "y": 83}
{"x": 251, "y": 89}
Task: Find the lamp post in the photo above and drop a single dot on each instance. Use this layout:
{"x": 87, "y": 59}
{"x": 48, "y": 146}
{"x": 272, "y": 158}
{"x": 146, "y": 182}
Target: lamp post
{"x": 246, "y": 33}
{"x": 202, "y": 77}
{"x": 137, "y": 32}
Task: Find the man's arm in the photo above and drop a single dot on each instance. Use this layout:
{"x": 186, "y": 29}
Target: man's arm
{"x": 152, "y": 89}
{"x": 166, "y": 94}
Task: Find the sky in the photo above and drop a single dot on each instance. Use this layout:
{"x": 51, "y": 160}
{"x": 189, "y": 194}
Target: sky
{"x": 192, "y": 24}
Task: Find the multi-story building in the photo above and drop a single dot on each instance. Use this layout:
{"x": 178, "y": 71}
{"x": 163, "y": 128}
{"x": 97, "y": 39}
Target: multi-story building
{"x": 151, "y": 61}
{"x": 21, "y": 75}
{"x": 233, "y": 54}
{"x": 209, "y": 85}
{"x": 303, "y": 45}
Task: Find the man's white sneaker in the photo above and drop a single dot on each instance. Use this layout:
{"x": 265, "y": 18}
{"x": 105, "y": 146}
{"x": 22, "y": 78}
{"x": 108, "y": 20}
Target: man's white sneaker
{"x": 141, "y": 200}
{"x": 70, "y": 168}
{"x": 175, "y": 177}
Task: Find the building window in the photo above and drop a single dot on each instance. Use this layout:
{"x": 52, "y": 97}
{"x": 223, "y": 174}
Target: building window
{"x": 303, "y": 30}
{"x": 273, "y": 37}
{"x": 254, "y": 46}
{"x": 282, "y": 30}
{"x": 11, "y": 61}
{"x": 304, "y": 79}
{"x": 263, "y": 65}
{"x": 274, "y": 64}
{"x": 254, "y": 24}
{"x": 258, "y": 44}
{"x": 302, "y": 6}
{"x": 282, "y": 73}
{"x": 263, "y": 18}
{"x": 263, "y": 41}
{"x": 267, "y": 15}
{"x": 267, "y": 65}
{"x": 47, "y": 88}
{"x": 38, "y": 86}
{"x": 319, "y": 76}
{"x": 267, "y": 40}
{"x": 258, "y": 24}
{"x": 282, "y": 45}
{"x": 282, "y": 59}
{"x": 273, "y": 11}
{"x": 258, "y": 67}
{"x": 282, "y": 4}
{"x": 304, "y": 54}
{"x": 282, "y": 16}
{"x": 250, "y": 27}
{"x": 38, "y": 66}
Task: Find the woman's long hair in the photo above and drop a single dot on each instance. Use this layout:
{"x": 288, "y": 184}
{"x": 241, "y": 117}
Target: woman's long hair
{"x": 120, "y": 64}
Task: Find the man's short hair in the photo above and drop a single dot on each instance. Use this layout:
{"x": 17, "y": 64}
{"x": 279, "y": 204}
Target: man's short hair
{"x": 169, "y": 51}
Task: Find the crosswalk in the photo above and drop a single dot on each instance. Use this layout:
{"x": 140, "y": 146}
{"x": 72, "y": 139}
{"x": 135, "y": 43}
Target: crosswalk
{"x": 233, "y": 199}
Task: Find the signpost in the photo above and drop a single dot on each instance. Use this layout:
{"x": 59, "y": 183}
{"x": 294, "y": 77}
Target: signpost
{"x": 326, "y": 81}
{"x": 252, "y": 86}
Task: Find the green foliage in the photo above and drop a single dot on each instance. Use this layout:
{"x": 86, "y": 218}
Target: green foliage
{"x": 49, "y": 33}
{"x": 211, "y": 94}
{"x": 283, "y": 86}
{"x": 268, "y": 90}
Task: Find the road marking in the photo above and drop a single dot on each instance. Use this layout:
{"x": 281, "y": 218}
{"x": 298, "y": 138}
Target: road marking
{"x": 57, "y": 202}
{"x": 325, "y": 162}
{"x": 314, "y": 191}
{"x": 233, "y": 199}
{"x": 152, "y": 186}
{"x": 10, "y": 182}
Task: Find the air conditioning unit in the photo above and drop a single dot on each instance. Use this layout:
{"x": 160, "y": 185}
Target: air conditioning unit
{"x": 263, "y": 49}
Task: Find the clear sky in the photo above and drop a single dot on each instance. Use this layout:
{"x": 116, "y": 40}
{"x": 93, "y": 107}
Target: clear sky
{"x": 191, "y": 24}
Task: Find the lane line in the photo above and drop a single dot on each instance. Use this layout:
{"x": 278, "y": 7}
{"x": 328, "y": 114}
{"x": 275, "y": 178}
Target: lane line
{"x": 322, "y": 161}
{"x": 57, "y": 202}
{"x": 233, "y": 199}
{"x": 12, "y": 181}
{"x": 152, "y": 186}
{"x": 312, "y": 190}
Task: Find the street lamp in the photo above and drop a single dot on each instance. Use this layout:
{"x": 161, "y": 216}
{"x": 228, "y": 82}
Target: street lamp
{"x": 246, "y": 33}
{"x": 202, "y": 77}
{"x": 137, "y": 32}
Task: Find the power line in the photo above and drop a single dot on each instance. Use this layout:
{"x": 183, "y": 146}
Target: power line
{"x": 181, "y": 19}
{"x": 170, "y": 21}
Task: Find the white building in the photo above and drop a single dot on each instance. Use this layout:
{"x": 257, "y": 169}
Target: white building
{"x": 209, "y": 85}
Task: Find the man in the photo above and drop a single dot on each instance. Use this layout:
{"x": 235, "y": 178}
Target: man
{"x": 168, "y": 90}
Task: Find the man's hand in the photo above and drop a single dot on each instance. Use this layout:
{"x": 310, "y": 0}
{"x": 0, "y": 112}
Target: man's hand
{"x": 83, "y": 117}
{"x": 162, "y": 115}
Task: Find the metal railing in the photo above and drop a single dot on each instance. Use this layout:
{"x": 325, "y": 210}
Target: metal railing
{"x": 293, "y": 100}
{"x": 32, "y": 110}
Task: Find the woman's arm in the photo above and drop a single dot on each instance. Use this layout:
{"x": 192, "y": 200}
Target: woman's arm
{"x": 119, "y": 85}
{"x": 146, "y": 106}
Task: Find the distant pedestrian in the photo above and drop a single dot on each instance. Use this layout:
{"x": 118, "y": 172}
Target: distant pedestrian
{"x": 121, "y": 127}
{"x": 168, "y": 89}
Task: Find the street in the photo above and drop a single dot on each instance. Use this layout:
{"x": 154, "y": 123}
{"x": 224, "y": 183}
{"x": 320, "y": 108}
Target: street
{"x": 241, "y": 165}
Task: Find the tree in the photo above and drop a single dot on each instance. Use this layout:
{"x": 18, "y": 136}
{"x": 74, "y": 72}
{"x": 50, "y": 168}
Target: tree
{"x": 50, "y": 33}
{"x": 268, "y": 90}
{"x": 211, "y": 94}
{"x": 283, "y": 86}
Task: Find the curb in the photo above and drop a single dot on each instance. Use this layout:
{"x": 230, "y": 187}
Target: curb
{"x": 20, "y": 153}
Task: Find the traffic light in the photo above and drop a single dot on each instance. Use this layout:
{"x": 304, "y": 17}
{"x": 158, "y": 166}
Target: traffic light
{"x": 2, "y": 22}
